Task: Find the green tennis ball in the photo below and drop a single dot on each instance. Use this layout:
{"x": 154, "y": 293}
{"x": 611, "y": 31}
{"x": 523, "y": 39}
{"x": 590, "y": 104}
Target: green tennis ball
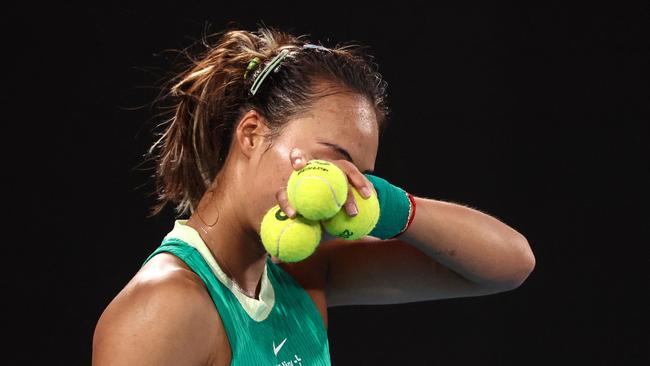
{"x": 289, "y": 239}
{"x": 355, "y": 227}
{"x": 318, "y": 190}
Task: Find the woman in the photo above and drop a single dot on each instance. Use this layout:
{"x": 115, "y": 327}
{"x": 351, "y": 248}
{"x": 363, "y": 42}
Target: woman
{"x": 255, "y": 107}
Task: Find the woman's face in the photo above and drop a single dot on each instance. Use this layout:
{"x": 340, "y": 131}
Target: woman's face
{"x": 336, "y": 123}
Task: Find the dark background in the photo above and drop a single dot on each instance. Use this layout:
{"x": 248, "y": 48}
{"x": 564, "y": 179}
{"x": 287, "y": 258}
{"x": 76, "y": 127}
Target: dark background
{"x": 537, "y": 116}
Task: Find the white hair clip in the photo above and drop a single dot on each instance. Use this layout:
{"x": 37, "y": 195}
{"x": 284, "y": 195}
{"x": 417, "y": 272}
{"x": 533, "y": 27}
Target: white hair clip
{"x": 273, "y": 64}
{"x": 267, "y": 70}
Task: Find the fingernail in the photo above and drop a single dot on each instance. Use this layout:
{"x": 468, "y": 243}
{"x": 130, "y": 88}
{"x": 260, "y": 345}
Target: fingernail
{"x": 365, "y": 192}
{"x": 297, "y": 161}
{"x": 290, "y": 212}
{"x": 353, "y": 210}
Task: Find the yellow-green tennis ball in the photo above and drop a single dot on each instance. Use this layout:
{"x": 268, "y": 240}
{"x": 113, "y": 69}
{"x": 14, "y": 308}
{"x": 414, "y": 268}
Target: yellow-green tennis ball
{"x": 355, "y": 227}
{"x": 318, "y": 190}
{"x": 289, "y": 239}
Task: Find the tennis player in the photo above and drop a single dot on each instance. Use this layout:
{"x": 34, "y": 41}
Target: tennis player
{"x": 247, "y": 112}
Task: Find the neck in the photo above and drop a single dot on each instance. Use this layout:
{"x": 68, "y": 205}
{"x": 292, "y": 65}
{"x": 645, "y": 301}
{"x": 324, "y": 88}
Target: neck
{"x": 219, "y": 220}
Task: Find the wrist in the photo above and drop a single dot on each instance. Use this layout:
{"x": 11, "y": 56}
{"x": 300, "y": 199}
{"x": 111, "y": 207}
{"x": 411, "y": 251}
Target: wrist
{"x": 397, "y": 209}
{"x": 411, "y": 215}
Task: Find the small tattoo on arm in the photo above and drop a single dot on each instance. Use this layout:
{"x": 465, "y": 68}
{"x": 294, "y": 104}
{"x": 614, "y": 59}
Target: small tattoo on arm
{"x": 449, "y": 252}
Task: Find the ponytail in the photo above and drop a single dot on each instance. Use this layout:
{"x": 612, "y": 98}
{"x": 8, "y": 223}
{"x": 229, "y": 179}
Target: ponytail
{"x": 209, "y": 97}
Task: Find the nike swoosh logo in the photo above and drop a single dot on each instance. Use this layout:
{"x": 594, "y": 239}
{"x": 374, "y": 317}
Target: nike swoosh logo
{"x": 277, "y": 349}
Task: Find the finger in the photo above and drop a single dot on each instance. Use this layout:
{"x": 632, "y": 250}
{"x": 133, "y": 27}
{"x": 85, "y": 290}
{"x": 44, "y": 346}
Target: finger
{"x": 350, "y": 203}
{"x": 298, "y": 158}
{"x": 357, "y": 179}
{"x": 283, "y": 201}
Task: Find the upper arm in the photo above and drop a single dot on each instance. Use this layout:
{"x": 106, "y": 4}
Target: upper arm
{"x": 370, "y": 271}
{"x": 158, "y": 319}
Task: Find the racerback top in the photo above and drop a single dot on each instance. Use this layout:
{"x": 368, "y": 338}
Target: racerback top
{"x": 282, "y": 328}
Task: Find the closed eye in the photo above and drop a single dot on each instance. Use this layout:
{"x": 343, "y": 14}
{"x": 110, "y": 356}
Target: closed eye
{"x": 346, "y": 155}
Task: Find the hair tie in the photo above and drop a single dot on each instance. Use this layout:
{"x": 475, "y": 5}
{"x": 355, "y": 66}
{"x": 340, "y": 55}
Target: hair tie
{"x": 251, "y": 65}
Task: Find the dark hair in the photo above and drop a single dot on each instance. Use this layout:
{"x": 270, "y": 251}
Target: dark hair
{"x": 208, "y": 98}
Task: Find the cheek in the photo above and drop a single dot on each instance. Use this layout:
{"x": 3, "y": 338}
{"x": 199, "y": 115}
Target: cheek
{"x": 271, "y": 175}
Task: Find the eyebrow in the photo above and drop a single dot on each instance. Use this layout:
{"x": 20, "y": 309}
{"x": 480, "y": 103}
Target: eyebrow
{"x": 345, "y": 153}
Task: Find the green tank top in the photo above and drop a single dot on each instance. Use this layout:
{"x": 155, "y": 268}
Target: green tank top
{"x": 282, "y": 328}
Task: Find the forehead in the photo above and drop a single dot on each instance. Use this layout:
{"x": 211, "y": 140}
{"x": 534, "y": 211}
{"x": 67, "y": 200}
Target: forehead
{"x": 345, "y": 119}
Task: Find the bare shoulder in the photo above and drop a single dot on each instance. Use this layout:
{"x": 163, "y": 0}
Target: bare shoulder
{"x": 163, "y": 316}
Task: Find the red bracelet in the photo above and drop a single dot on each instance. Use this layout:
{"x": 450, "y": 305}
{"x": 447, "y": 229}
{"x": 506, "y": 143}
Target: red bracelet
{"x": 412, "y": 209}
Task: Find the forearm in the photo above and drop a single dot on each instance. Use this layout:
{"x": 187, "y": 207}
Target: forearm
{"x": 475, "y": 245}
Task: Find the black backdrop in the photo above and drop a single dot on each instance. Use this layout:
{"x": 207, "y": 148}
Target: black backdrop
{"x": 537, "y": 116}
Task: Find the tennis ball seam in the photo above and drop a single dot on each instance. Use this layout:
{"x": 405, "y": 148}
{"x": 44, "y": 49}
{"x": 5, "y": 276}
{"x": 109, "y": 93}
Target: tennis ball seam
{"x": 342, "y": 223}
{"x": 279, "y": 238}
{"x": 297, "y": 185}
{"x": 302, "y": 236}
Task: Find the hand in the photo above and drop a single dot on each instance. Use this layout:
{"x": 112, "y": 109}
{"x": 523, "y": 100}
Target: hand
{"x": 298, "y": 159}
